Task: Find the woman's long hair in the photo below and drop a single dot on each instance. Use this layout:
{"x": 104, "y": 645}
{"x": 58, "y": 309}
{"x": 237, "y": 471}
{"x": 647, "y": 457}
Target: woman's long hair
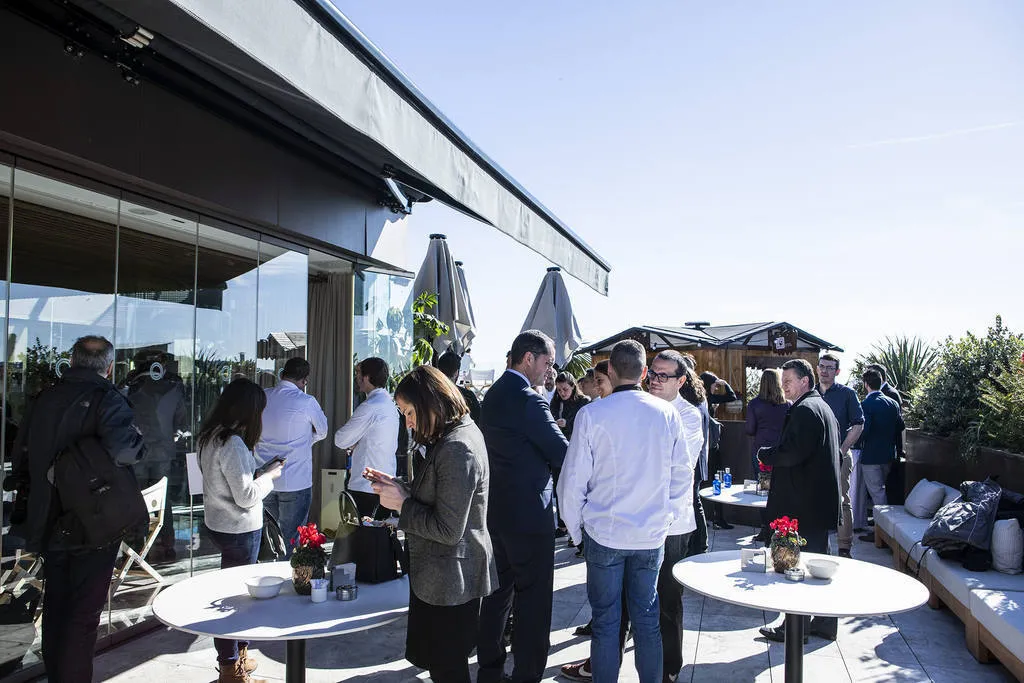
{"x": 436, "y": 400}
{"x": 238, "y": 412}
{"x": 693, "y": 389}
{"x": 771, "y": 388}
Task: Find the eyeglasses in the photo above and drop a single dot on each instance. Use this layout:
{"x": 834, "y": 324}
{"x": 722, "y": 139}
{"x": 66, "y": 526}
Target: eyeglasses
{"x": 661, "y": 376}
{"x": 827, "y": 366}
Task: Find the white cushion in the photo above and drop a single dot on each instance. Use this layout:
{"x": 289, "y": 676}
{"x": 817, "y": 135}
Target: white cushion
{"x": 960, "y": 582}
{"x": 910, "y": 531}
{"x": 925, "y": 499}
{"x": 1002, "y": 615}
{"x": 951, "y": 494}
{"x": 1007, "y": 546}
{"x": 888, "y": 516}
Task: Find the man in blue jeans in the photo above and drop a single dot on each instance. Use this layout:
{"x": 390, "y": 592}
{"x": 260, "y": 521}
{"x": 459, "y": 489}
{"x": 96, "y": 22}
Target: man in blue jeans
{"x": 625, "y": 482}
{"x": 292, "y": 422}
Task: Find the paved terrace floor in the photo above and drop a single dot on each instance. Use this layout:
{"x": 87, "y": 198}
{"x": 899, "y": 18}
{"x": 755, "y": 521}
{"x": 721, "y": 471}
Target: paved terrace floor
{"x": 721, "y": 643}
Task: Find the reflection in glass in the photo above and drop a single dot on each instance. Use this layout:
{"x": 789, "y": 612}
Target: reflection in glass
{"x": 155, "y": 342}
{"x": 281, "y": 327}
{"x": 383, "y": 319}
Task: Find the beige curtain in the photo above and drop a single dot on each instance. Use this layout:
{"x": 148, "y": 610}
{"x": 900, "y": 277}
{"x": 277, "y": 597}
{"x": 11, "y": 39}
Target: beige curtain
{"x": 330, "y": 358}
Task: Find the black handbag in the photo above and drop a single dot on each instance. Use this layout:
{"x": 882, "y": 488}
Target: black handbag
{"x": 272, "y": 543}
{"x": 343, "y": 550}
{"x": 378, "y": 554}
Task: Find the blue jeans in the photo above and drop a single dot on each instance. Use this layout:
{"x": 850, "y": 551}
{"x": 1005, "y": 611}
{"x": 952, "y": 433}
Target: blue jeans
{"x": 608, "y": 571}
{"x": 291, "y": 510}
{"x": 236, "y": 550}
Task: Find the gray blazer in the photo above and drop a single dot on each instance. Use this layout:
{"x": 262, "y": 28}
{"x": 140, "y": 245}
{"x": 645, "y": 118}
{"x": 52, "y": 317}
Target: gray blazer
{"x": 445, "y": 521}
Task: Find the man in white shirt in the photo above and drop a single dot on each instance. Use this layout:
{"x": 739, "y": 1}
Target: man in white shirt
{"x": 667, "y": 376}
{"x": 292, "y": 422}
{"x": 371, "y": 433}
{"x": 625, "y": 485}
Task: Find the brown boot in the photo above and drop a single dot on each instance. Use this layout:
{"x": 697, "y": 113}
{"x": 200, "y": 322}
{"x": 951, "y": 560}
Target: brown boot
{"x": 233, "y": 672}
{"x": 248, "y": 663}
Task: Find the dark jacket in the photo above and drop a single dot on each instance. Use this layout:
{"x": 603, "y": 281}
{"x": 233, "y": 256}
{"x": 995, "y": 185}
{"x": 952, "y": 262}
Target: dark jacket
{"x": 764, "y": 423}
{"x": 883, "y": 426}
{"x": 45, "y": 432}
{"x": 895, "y": 395}
{"x": 445, "y": 521}
{"x": 523, "y": 446}
{"x": 472, "y": 401}
{"x": 159, "y": 408}
{"x": 805, "y": 466}
{"x": 566, "y": 410}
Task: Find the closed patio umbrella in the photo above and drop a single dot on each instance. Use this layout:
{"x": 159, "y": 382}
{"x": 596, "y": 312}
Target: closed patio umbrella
{"x": 468, "y": 339}
{"x": 551, "y": 313}
{"x": 439, "y": 275}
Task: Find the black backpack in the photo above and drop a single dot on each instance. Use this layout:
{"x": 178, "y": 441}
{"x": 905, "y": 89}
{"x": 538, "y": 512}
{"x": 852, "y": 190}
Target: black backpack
{"x": 100, "y": 501}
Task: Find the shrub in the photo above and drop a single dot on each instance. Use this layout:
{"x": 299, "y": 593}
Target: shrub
{"x": 1001, "y": 421}
{"x": 948, "y": 401}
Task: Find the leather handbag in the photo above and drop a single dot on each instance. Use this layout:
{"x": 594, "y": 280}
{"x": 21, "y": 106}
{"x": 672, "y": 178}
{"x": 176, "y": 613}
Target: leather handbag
{"x": 343, "y": 550}
{"x": 378, "y": 554}
{"x": 273, "y": 547}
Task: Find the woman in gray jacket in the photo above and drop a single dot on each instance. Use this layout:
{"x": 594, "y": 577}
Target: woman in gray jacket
{"x": 444, "y": 516}
{"x": 233, "y": 494}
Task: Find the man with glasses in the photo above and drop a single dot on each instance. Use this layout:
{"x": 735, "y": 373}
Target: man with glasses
{"x": 846, "y": 407}
{"x": 524, "y": 445}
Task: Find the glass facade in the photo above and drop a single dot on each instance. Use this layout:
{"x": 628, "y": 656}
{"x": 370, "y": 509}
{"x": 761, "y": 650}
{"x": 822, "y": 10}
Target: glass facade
{"x": 381, "y": 328}
{"x": 188, "y": 303}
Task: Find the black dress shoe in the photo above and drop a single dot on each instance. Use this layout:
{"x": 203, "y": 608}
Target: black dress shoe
{"x": 868, "y": 538}
{"x": 844, "y": 552}
{"x": 722, "y": 525}
{"x": 585, "y": 630}
{"x": 776, "y": 634}
{"x": 819, "y": 634}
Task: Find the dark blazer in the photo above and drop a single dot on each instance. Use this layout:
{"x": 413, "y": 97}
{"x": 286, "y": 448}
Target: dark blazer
{"x": 883, "y": 426}
{"x": 471, "y": 401}
{"x": 895, "y": 395}
{"x": 445, "y": 521}
{"x": 523, "y": 446}
{"x": 805, "y": 466}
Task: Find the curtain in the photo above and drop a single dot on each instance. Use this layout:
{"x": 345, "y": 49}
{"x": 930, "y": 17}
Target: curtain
{"x": 330, "y": 358}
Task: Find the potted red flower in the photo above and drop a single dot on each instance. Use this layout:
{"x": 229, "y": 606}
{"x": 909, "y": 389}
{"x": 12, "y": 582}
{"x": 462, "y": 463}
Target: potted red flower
{"x": 764, "y": 479}
{"x": 785, "y": 543}
{"x": 309, "y": 561}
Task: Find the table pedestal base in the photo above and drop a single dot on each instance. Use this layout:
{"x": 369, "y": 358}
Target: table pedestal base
{"x": 794, "y": 648}
{"x": 295, "y": 661}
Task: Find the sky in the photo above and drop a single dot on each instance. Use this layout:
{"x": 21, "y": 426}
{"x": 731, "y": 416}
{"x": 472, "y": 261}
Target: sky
{"x": 854, "y": 169}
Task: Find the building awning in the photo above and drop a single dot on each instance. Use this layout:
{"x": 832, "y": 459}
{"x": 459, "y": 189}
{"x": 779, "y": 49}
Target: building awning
{"x": 747, "y": 335}
{"x": 305, "y": 65}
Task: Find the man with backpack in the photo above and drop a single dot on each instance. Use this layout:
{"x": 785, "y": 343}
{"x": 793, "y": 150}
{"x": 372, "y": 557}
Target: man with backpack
{"x": 77, "y": 422}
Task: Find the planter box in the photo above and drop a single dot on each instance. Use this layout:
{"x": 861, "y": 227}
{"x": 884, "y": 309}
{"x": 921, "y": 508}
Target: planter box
{"x": 938, "y": 459}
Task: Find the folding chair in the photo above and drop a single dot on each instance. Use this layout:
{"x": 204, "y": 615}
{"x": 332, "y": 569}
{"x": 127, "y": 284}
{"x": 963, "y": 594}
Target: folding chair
{"x": 155, "y": 497}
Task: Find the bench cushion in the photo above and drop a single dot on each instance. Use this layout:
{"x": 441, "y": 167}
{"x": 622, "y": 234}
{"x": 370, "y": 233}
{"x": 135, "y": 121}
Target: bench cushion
{"x": 960, "y": 582}
{"x": 1002, "y": 615}
{"x": 887, "y": 516}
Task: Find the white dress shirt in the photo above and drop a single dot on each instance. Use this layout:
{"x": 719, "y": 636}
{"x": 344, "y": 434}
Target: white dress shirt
{"x": 372, "y": 434}
{"x": 292, "y": 422}
{"x": 628, "y": 476}
{"x": 693, "y": 433}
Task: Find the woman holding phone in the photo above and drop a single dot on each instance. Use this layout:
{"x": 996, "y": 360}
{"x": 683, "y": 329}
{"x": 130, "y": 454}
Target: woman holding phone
{"x": 444, "y": 516}
{"x": 233, "y": 494}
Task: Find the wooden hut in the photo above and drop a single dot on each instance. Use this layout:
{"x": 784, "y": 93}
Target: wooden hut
{"x": 729, "y": 351}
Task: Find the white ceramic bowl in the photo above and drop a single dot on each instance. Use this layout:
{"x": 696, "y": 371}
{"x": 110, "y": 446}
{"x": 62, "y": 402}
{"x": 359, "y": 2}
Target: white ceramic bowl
{"x": 263, "y": 587}
{"x": 822, "y": 569}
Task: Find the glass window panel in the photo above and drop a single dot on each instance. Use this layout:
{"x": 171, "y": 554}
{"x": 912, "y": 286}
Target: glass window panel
{"x": 155, "y": 342}
{"x": 281, "y": 331}
{"x": 383, "y": 319}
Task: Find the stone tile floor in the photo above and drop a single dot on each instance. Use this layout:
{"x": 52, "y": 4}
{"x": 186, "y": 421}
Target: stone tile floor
{"x": 721, "y": 644}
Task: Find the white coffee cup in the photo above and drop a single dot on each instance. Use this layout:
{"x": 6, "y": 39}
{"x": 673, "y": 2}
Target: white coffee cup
{"x": 318, "y": 590}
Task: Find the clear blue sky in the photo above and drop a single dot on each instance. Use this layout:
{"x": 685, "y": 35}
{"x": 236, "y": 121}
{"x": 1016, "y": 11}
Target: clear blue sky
{"x": 853, "y": 168}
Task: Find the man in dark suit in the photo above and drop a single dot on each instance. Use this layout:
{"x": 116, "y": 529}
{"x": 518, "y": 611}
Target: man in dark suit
{"x": 805, "y": 475}
{"x": 523, "y": 446}
{"x": 883, "y": 427}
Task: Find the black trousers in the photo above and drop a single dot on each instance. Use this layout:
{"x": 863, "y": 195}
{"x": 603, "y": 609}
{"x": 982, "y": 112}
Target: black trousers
{"x": 699, "y": 538}
{"x": 526, "y": 571}
{"x": 670, "y": 598}
{"x": 75, "y": 594}
{"x": 817, "y": 542}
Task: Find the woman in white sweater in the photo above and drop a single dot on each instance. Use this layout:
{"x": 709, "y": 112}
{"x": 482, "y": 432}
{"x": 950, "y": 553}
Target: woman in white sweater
{"x": 233, "y": 496}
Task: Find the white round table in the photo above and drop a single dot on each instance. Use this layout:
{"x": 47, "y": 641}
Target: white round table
{"x": 218, "y": 604}
{"x": 735, "y": 495}
{"x": 858, "y": 589}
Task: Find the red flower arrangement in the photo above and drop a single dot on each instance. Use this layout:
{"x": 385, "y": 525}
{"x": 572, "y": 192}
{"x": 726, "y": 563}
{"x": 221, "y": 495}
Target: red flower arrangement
{"x": 309, "y": 550}
{"x": 787, "y": 532}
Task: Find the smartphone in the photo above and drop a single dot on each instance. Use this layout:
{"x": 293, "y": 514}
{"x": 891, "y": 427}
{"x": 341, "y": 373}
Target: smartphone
{"x": 263, "y": 468}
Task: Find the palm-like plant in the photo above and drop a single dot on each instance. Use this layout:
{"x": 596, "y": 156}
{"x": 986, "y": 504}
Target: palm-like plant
{"x": 578, "y": 365}
{"x": 907, "y": 360}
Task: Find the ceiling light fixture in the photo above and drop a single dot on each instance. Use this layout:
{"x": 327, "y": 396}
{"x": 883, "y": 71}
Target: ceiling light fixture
{"x": 139, "y": 39}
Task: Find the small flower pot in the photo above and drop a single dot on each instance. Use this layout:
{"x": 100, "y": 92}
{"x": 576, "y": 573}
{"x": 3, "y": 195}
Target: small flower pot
{"x": 784, "y": 556}
{"x": 303, "y": 575}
